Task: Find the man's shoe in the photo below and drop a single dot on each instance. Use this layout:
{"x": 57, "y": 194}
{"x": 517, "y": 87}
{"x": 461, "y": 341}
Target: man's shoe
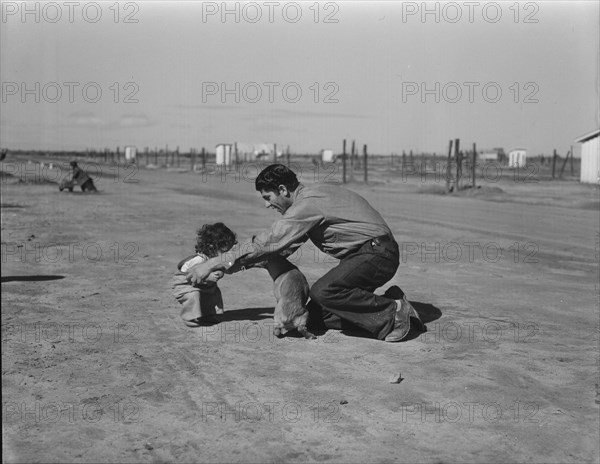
{"x": 396, "y": 293}
{"x": 404, "y": 311}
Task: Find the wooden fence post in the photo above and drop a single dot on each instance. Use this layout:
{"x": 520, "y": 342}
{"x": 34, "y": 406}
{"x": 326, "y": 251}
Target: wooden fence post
{"x": 192, "y": 158}
{"x": 458, "y": 159}
{"x": 203, "y": 158}
{"x": 553, "y": 162}
{"x": 365, "y": 163}
{"x": 564, "y": 164}
{"x": 572, "y": 159}
{"x": 352, "y": 155}
{"x": 473, "y": 165}
{"x": 448, "y": 167}
{"x": 344, "y": 161}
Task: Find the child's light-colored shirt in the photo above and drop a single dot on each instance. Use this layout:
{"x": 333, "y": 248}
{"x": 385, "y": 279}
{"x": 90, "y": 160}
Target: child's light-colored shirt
{"x": 198, "y": 259}
{"x": 197, "y": 301}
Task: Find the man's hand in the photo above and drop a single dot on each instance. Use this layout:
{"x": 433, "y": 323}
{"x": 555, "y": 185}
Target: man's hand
{"x": 214, "y": 276}
{"x": 201, "y": 272}
{"x": 197, "y": 274}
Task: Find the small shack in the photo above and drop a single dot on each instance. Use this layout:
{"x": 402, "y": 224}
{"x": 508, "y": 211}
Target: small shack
{"x": 590, "y": 157}
{"x": 488, "y": 156}
{"x": 130, "y": 154}
{"x": 517, "y": 158}
{"x": 223, "y": 154}
{"x": 492, "y": 155}
{"x": 327, "y": 156}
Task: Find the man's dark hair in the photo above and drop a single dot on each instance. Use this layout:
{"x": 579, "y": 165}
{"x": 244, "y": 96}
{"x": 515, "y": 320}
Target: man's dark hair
{"x": 274, "y": 175}
{"x": 213, "y": 239}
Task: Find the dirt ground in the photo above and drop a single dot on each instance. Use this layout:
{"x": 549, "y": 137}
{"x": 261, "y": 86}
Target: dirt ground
{"x": 97, "y": 367}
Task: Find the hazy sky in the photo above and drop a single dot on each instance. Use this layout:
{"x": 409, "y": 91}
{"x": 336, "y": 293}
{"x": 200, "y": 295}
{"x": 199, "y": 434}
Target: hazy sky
{"x": 505, "y": 74}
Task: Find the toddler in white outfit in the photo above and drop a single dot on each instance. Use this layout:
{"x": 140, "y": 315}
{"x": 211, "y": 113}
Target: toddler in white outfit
{"x": 201, "y": 303}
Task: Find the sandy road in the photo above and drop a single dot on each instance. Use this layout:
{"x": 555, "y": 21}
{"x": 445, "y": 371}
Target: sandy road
{"x": 96, "y": 366}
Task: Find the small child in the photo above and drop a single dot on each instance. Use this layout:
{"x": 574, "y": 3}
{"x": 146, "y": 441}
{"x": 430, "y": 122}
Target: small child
{"x": 202, "y": 302}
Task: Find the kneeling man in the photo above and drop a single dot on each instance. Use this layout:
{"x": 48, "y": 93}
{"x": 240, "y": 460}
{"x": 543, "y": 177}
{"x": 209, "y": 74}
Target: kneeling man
{"x": 344, "y": 225}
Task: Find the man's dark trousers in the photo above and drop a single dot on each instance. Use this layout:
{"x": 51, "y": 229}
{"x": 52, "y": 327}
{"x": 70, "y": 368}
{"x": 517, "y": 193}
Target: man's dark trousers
{"x": 344, "y": 297}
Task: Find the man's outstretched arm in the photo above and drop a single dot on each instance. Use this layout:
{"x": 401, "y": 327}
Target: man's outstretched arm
{"x": 198, "y": 273}
{"x": 285, "y": 236}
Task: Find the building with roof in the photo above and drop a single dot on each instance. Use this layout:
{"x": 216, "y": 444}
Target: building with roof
{"x": 590, "y": 157}
{"x": 517, "y": 158}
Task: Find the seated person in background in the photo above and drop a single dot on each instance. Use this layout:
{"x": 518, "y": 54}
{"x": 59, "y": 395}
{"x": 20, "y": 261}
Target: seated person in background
{"x": 80, "y": 177}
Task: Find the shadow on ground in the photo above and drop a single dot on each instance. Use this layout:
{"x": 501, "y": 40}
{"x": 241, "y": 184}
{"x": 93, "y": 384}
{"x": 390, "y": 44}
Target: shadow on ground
{"x": 427, "y": 312}
{"x": 31, "y": 278}
{"x": 245, "y": 314}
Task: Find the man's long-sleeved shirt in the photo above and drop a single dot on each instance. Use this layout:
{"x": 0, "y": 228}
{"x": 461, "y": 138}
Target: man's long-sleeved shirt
{"x": 335, "y": 219}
